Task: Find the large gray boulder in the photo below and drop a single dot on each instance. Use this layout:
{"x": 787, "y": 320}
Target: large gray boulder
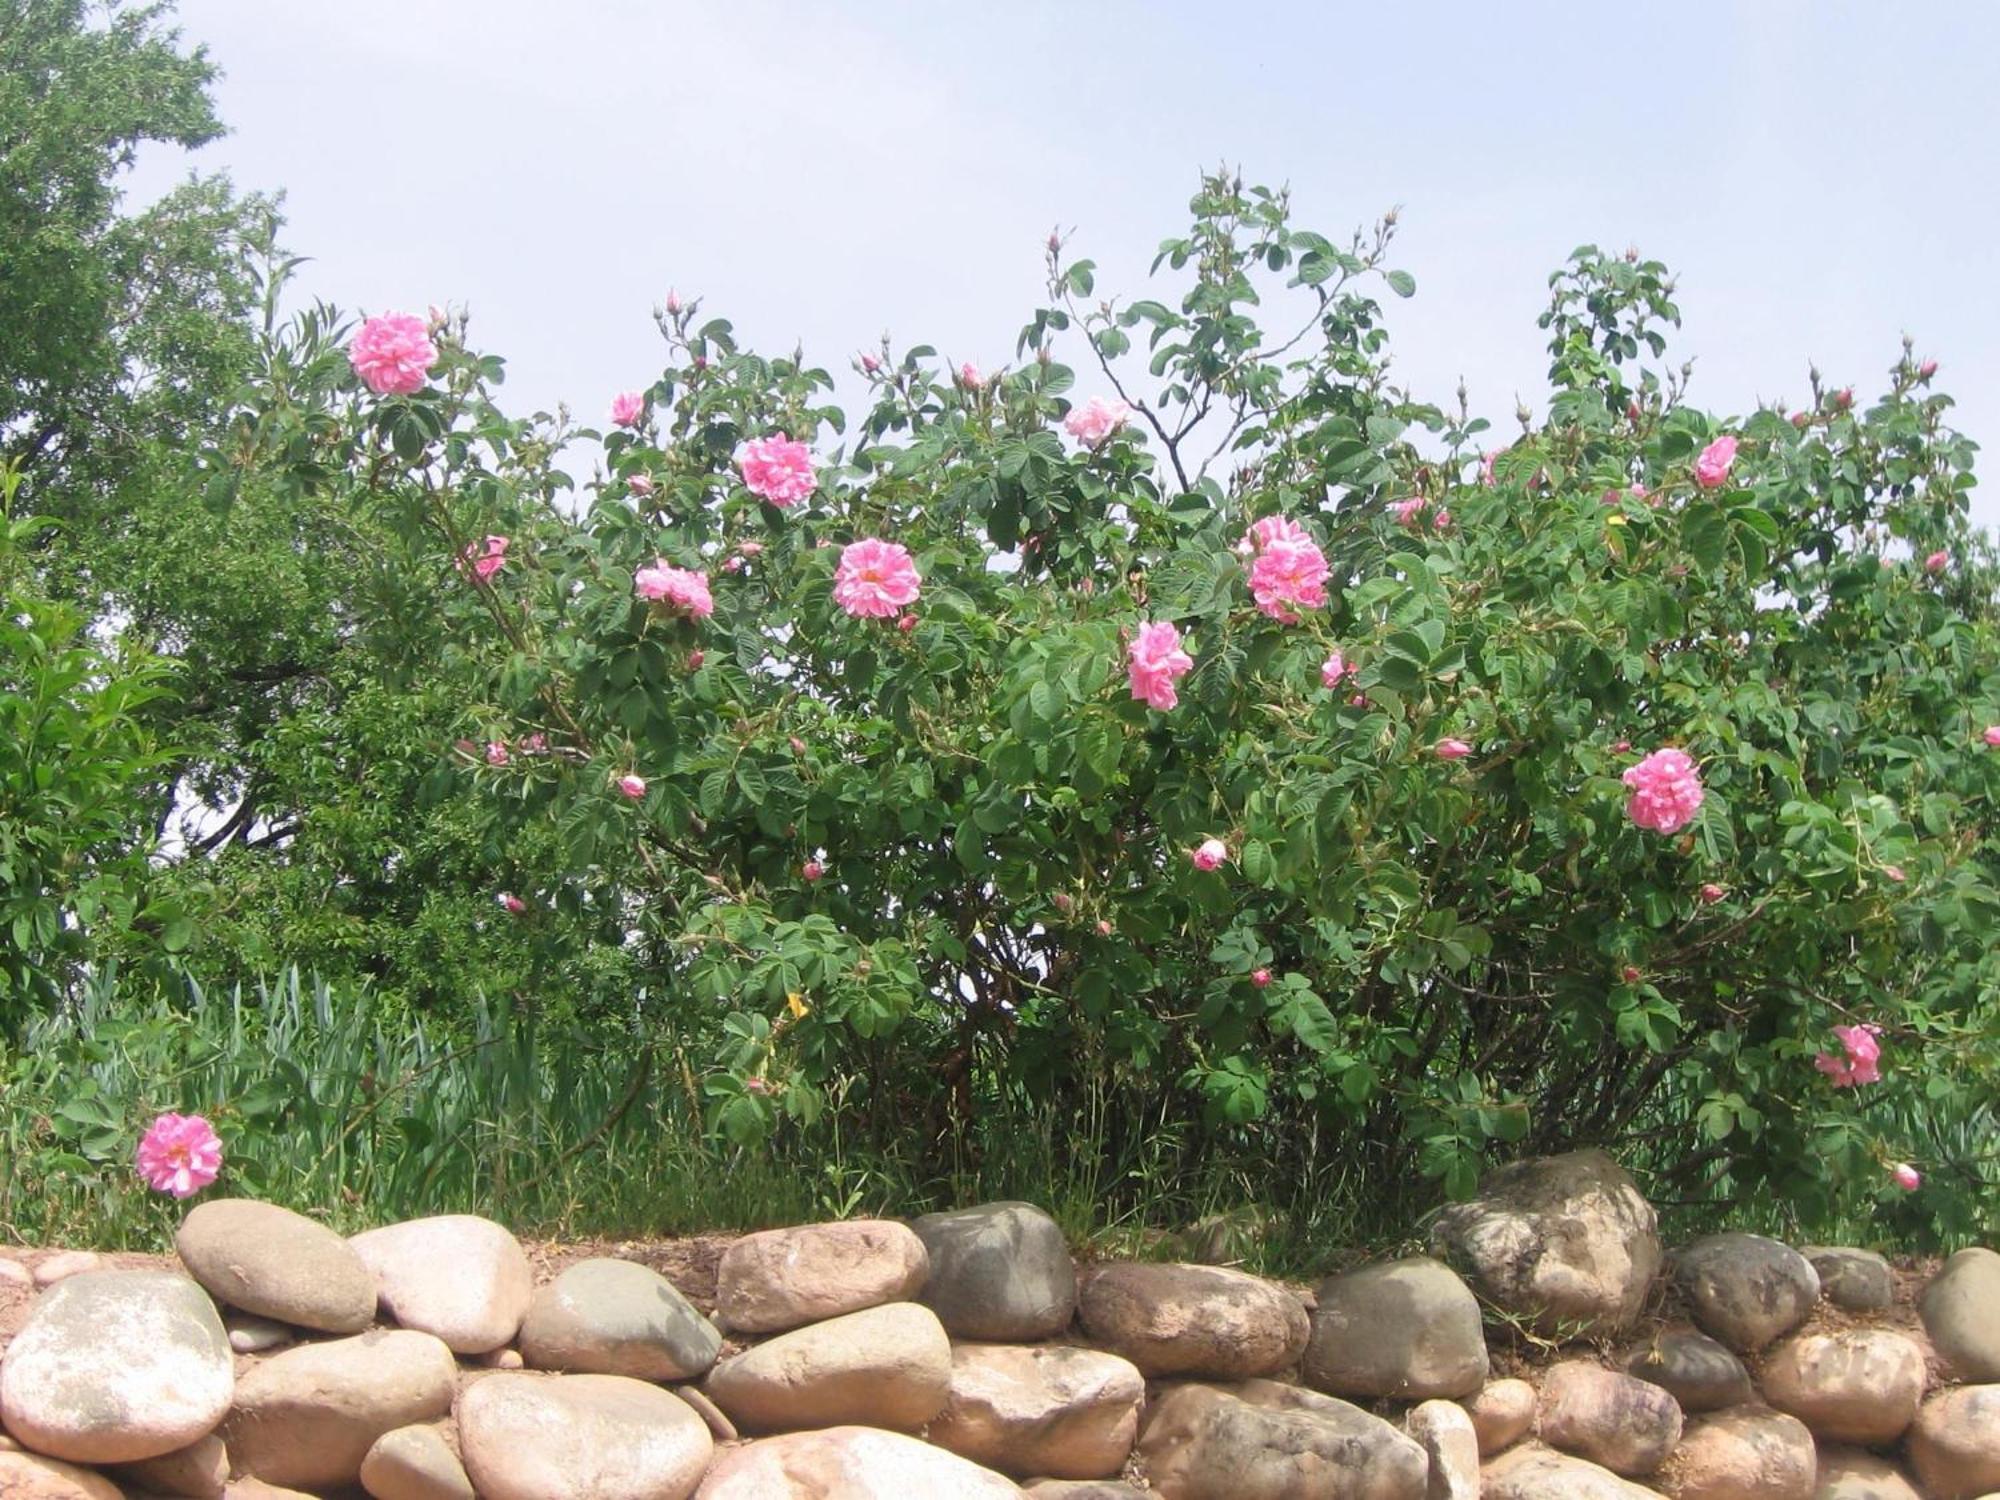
{"x": 1567, "y": 1243}
{"x": 1409, "y": 1330}
{"x": 1852, "y": 1280}
{"x": 1259, "y": 1440}
{"x": 1000, "y": 1272}
{"x": 615, "y": 1317}
{"x": 1746, "y": 1290}
{"x": 1693, "y": 1368}
{"x": 1961, "y": 1312}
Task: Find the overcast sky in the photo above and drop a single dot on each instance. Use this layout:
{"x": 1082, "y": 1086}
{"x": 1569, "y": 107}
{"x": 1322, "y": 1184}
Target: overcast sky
{"x": 1821, "y": 176}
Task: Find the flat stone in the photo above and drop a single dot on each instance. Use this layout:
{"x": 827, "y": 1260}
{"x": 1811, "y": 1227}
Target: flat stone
{"x": 257, "y": 1489}
{"x": 1206, "y": 1321}
{"x": 1502, "y": 1412}
{"x": 579, "y": 1437}
{"x": 1567, "y": 1243}
{"x": 306, "y": 1418}
{"x": 1000, "y": 1272}
{"x": 1860, "y": 1386}
{"x": 614, "y": 1317}
{"x": 1041, "y": 1409}
{"x": 1620, "y": 1423}
{"x": 1085, "y": 1489}
{"x": 198, "y": 1471}
{"x": 1961, "y": 1313}
{"x": 786, "y": 1278}
{"x": 1744, "y": 1289}
{"x": 1852, "y": 1280}
{"x": 1409, "y": 1330}
{"x": 13, "y": 1273}
{"x": 250, "y": 1334}
{"x": 28, "y": 1476}
{"x": 1532, "y": 1472}
{"x": 267, "y": 1260}
{"x": 1856, "y": 1474}
{"x": 1260, "y": 1440}
{"x": 1445, "y": 1433}
{"x": 849, "y": 1463}
{"x": 113, "y": 1366}
{"x": 64, "y": 1264}
{"x": 1954, "y": 1445}
{"x": 414, "y": 1463}
{"x": 1697, "y": 1371}
{"x": 886, "y": 1366}
{"x": 1746, "y": 1453}
{"x": 458, "y": 1276}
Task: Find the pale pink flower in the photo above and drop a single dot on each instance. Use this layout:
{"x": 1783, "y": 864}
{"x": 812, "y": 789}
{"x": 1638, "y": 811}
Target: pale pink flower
{"x": 632, "y": 786}
{"x": 798, "y": 745}
{"x": 673, "y": 303}
{"x": 496, "y": 753}
{"x": 750, "y": 549}
{"x": 535, "y": 744}
{"x": 626, "y": 408}
{"x": 1937, "y": 562}
{"x": 1860, "y": 1062}
{"x": 875, "y": 579}
{"x": 756, "y": 1085}
{"x": 682, "y": 588}
{"x": 640, "y": 485}
{"x": 1622, "y": 746}
{"x": 1155, "y": 661}
{"x": 1666, "y": 791}
{"x": 1286, "y": 573}
{"x": 1094, "y": 421}
{"x": 969, "y": 376}
{"x": 484, "y": 565}
{"x": 1209, "y": 854}
{"x": 1906, "y": 1177}
{"x": 1449, "y": 749}
{"x": 812, "y": 870}
{"x": 392, "y": 353}
{"x": 1992, "y": 735}
{"x": 1711, "y": 893}
{"x": 871, "y": 363}
{"x": 1442, "y": 522}
{"x": 1486, "y": 474}
{"x": 1711, "y": 469}
{"x": 777, "y": 469}
{"x": 512, "y": 904}
{"x": 1268, "y": 531}
{"x": 732, "y": 565}
{"x": 1334, "y": 668}
{"x": 1409, "y": 513}
{"x": 1103, "y": 928}
{"x": 180, "y": 1154}
{"x": 1260, "y": 977}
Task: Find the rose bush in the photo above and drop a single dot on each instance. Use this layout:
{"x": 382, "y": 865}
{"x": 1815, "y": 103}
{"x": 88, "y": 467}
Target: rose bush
{"x": 1567, "y": 789}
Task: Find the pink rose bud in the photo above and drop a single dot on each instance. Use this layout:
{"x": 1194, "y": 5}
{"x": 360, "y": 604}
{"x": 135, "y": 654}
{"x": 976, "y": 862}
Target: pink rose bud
{"x": 1632, "y": 412}
{"x": 1801, "y": 420}
{"x": 798, "y": 746}
{"x": 1906, "y": 1177}
{"x": 640, "y": 485}
{"x": 1103, "y": 929}
{"x": 732, "y": 565}
{"x": 1927, "y": 369}
{"x": 437, "y": 318}
{"x": 1209, "y": 854}
{"x": 969, "y": 376}
{"x": 1621, "y": 747}
{"x": 872, "y": 363}
{"x": 1359, "y": 700}
{"x": 906, "y": 624}
{"x": 1449, "y": 749}
{"x": 673, "y": 302}
{"x": 1844, "y": 398}
{"x": 695, "y": 659}
{"x": 496, "y": 753}
{"x": 1260, "y": 977}
{"x": 1630, "y": 974}
{"x": 511, "y": 903}
{"x": 1062, "y": 902}
{"x": 1992, "y": 735}
{"x": 1712, "y": 893}
{"x": 632, "y": 786}
{"x": 756, "y": 1086}
{"x": 1895, "y": 873}
{"x": 750, "y": 549}
{"x": 1937, "y": 562}
{"x": 812, "y": 869}
{"x": 701, "y": 361}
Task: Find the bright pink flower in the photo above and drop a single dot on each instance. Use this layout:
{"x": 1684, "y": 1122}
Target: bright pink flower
{"x": 732, "y": 565}
{"x": 484, "y": 565}
{"x": 1287, "y": 573}
{"x": 1711, "y": 893}
{"x": 875, "y": 579}
{"x": 812, "y": 870}
{"x": 1860, "y": 1062}
{"x": 512, "y": 904}
{"x": 632, "y": 786}
{"x": 1334, "y": 668}
{"x": 1260, "y": 977}
{"x": 1209, "y": 854}
{"x": 1268, "y": 531}
{"x": 1094, "y": 421}
{"x": 1711, "y": 469}
{"x": 496, "y": 753}
{"x": 1906, "y": 1177}
{"x": 777, "y": 469}
{"x": 1409, "y": 513}
{"x": 1992, "y": 735}
{"x": 535, "y": 744}
{"x": 626, "y": 407}
{"x": 1155, "y": 661}
{"x": 1630, "y": 973}
{"x": 180, "y": 1154}
{"x": 640, "y": 485}
{"x": 1666, "y": 791}
{"x": 392, "y": 353}
{"x": 1451, "y": 749}
{"x": 682, "y": 588}
{"x": 1937, "y": 562}
{"x": 969, "y": 376}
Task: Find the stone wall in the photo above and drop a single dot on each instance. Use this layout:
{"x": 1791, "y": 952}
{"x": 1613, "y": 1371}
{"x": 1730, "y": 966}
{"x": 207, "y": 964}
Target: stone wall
{"x": 967, "y": 1355}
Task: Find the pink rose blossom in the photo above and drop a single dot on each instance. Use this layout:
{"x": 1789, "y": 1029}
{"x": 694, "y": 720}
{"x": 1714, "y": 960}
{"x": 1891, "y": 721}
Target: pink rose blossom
{"x": 1268, "y": 531}
{"x": 1209, "y": 854}
{"x": 875, "y": 579}
{"x": 1906, "y": 1177}
{"x": 1711, "y": 893}
{"x": 535, "y": 744}
{"x": 1442, "y": 522}
{"x": 682, "y": 588}
{"x": 512, "y": 904}
{"x": 1992, "y": 735}
{"x": 180, "y": 1154}
{"x": 640, "y": 485}
{"x": 750, "y": 549}
{"x": 969, "y": 376}
{"x": 1286, "y": 573}
{"x": 392, "y": 353}
{"x": 1486, "y": 475}
{"x": 1860, "y": 1062}
{"x": 1666, "y": 791}
{"x": 812, "y": 870}
{"x": 1155, "y": 661}
{"x": 1451, "y": 749}
{"x": 1260, "y": 977}
{"x": 496, "y": 753}
{"x": 1711, "y": 469}
{"x": 484, "y": 565}
{"x": 732, "y": 565}
{"x": 1937, "y": 562}
{"x": 632, "y": 786}
{"x": 1334, "y": 668}
{"x": 1409, "y": 513}
{"x": 626, "y": 407}
{"x": 1094, "y": 421}
{"x": 777, "y": 469}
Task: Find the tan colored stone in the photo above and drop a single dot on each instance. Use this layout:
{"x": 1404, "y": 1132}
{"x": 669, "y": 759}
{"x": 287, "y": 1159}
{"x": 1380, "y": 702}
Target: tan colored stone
{"x": 1409, "y": 1329}
{"x": 28, "y": 1476}
{"x": 579, "y": 1437}
{"x": 257, "y": 1489}
{"x": 1954, "y": 1445}
{"x": 414, "y": 1463}
{"x": 13, "y": 1273}
{"x": 199, "y": 1471}
{"x": 1626, "y": 1425}
{"x": 1961, "y": 1312}
{"x": 1532, "y": 1472}
{"x": 1033, "y": 1410}
{"x": 1745, "y": 1453}
{"x": 1860, "y": 1386}
{"x": 1746, "y": 1289}
{"x": 458, "y": 1276}
{"x": 1206, "y": 1321}
{"x": 267, "y": 1260}
{"x": 1502, "y": 1412}
{"x": 1857, "y": 1474}
{"x": 307, "y": 1417}
{"x": 786, "y": 1278}
{"x": 64, "y": 1264}
{"x": 849, "y": 1463}
{"x": 1445, "y": 1433}
{"x": 1262, "y": 1440}
{"x": 886, "y": 1366}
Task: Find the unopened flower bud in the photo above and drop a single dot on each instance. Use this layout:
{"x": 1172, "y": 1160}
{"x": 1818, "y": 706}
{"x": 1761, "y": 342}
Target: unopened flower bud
{"x": 1927, "y": 369}
{"x": 1844, "y": 397}
{"x": 1801, "y": 420}
{"x": 870, "y": 363}
{"x": 673, "y": 303}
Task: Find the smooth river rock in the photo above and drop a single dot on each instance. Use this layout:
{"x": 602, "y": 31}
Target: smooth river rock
{"x": 886, "y": 1366}
{"x": 999, "y": 1272}
{"x": 1408, "y": 1330}
{"x": 1205, "y": 1321}
{"x": 1041, "y": 1410}
{"x": 615, "y": 1317}
{"x": 267, "y": 1260}
{"x": 460, "y": 1277}
{"x": 849, "y": 1463}
{"x": 781, "y": 1279}
{"x": 579, "y": 1437}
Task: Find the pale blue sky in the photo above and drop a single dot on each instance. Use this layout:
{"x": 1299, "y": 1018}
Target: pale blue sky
{"x": 1821, "y": 176}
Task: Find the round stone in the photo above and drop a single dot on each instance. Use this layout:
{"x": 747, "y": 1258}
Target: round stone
{"x": 1746, "y": 1453}
{"x": 1954, "y": 1445}
{"x": 414, "y": 1463}
{"x": 614, "y": 1317}
{"x": 1628, "y": 1426}
{"x": 113, "y": 1366}
{"x": 270, "y": 1261}
{"x": 1041, "y": 1410}
{"x": 1502, "y": 1413}
{"x": 1203, "y": 1321}
{"x": 1408, "y": 1330}
{"x": 884, "y": 1367}
{"x": 1694, "y": 1369}
{"x": 849, "y": 1462}
{"x": 999, "y": 1271}
{"x": 1852, "y": 1280}
{"x": 786, "y": 1278}
{"x": 460, "y": 1277}
{"x": 579, "y": 1437}
{"x": 1860, "y": 1386}
{"x": 1745, "y": 1289}
{"x": 1961, "y": 1312}
{"x": 28, "y": 1476}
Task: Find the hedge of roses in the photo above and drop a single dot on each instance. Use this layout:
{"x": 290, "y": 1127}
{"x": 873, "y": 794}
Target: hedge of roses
{"x": 1185, "y": 712}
